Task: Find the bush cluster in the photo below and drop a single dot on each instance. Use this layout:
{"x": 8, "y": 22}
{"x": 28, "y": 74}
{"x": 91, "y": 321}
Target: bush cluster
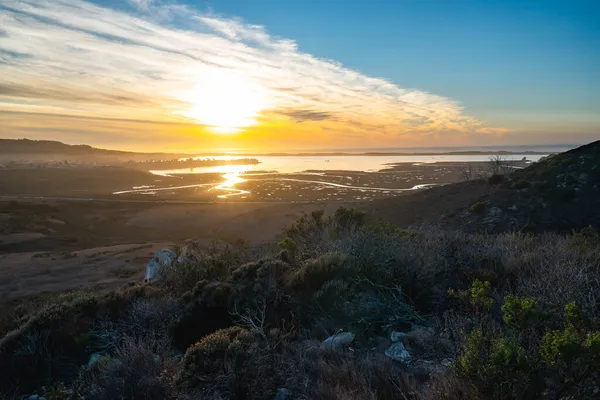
{"x": 247, "y": 322}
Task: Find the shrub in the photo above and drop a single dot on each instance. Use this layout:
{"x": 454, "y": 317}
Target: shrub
{"x": 314, "y": 273}
{"x": 384, "y": 230}
{"x": 348, "y": 218}
{"x": 518, "y": 185}
{"x": 575, "y": 344}
{"x": 480, "y": 294}
{"x": 499, "y": 365}
{"x": 520, "y": 313}
{"x": 496, "y": 179}
{"x": 214, "y": 359}
{"x": 478, "y": 208}
{"x": 136, "y": 370}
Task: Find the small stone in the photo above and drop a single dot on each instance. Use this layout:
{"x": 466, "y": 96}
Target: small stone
{"x": 431, "y": 367}
{"x": 94, "y": 359}
{"x": 340, "y": 339}
{"x": 282, "y": 394}
{"x": 398, "y": 352}
{"x": 421, "y": 328}
{"x": 495, "y": 212}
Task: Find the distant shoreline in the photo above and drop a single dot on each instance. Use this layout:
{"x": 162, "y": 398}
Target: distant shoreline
{"x": 377, "y": 154}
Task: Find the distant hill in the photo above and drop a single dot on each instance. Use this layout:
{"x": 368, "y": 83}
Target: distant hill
{"x": 46, "y": 150}
{"x": 558, "y": 193}
{"x": 26, "y": 146}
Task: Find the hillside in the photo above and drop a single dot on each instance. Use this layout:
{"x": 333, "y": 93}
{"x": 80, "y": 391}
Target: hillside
{"x": 346, "y": 307}
{"x": 559, "y": 193}
{"x": 26, "y": 146}
{"x": 45, "y": 150}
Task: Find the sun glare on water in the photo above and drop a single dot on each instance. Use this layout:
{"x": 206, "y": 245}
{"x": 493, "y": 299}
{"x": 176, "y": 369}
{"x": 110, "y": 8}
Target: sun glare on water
{"x": 225, "y": 101}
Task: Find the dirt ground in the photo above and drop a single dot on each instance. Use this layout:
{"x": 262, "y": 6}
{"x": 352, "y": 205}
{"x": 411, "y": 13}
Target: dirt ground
{"x": 55, "y": 246}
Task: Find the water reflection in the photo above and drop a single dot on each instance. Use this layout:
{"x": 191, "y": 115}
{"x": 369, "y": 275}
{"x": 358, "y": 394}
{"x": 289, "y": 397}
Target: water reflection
{"x": 231, "y": 180}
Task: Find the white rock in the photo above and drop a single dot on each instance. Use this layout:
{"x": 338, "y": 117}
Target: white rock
{"x": 158, "y": 265}
{"x": 339, "y": 340}
{"x": 398, "y": 352}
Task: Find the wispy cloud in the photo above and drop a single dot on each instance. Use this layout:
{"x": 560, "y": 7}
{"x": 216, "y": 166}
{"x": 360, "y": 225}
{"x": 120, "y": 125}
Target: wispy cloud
{"x": 76, "y": 58}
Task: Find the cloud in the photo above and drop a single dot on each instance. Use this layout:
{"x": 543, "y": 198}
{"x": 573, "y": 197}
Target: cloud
{"x": 72, "y": 57}
{"x": 142, "y": 4}
{"x": 493, "y": 131}
{"x": 307, "y": 115}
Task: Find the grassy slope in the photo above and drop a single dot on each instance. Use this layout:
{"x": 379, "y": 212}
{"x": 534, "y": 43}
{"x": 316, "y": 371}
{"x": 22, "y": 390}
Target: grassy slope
{"x": 556, "y": 194}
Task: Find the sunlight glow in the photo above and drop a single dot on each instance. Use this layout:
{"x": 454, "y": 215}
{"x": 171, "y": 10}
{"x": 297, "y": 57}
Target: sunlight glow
{"x": 225, "y": 101}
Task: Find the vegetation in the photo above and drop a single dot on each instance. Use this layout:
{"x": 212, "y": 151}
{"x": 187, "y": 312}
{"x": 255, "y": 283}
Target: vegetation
{"x": 521, "y": 320}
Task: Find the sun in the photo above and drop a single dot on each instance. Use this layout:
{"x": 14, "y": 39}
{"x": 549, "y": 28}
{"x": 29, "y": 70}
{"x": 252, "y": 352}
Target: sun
{"x": 225, "y": 101}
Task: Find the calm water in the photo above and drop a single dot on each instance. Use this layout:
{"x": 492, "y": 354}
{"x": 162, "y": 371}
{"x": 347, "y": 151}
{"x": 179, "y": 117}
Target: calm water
{"x": 292, "y": 164}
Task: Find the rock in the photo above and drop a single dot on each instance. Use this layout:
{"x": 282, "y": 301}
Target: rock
{"x": 380, "y": 343}
{"x": 339, "y": 340}
{"x": 421, "y": 328}
{"x": 400, "y": 336}
{"x": 495, "y": 212}
{"x": 398, "y": 352}
{"x": 282, "y": 394}
{"x": 157, "y": 266}
{"x": 94, "y": 359}
{"x": 36, "y": 397}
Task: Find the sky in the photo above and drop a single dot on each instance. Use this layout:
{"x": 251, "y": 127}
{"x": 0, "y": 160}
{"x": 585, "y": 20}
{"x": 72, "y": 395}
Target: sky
{"x": 163, "y": 75}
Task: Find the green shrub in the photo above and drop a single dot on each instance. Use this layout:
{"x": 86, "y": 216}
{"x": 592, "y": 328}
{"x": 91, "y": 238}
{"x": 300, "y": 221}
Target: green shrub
{"x": 499, "y": 365}
{"x": 520, "y": 313}
{"x": 480, "y": 294}
{"x": 288, "y": 249}
{"x": 346, "y": 218}
{"x": 317, "y": 217}
{"x": 576, "y": 342}
{"x": 478, "y": 208}
{"x": 215, "y": 357}
{"x": 471, "y": 361}
{"x": 314, "y": 273}
{"x": 383, "y": 230}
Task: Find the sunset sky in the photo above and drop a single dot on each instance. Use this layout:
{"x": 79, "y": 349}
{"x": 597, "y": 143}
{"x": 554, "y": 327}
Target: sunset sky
{"x": 161, "y": 75}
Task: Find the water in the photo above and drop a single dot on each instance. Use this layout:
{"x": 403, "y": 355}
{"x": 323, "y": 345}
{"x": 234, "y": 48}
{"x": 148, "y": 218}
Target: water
{"x": 283, "y": 168}
{"x": 294, "y": 164}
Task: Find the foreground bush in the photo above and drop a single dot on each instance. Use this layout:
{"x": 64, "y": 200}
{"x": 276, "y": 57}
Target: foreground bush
{"x": 243, "y": 322}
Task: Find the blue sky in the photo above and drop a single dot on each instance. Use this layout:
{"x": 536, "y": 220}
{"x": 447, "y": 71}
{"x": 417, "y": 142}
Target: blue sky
{"x": 496, "y": 56}
{"x": 306, "y": 72}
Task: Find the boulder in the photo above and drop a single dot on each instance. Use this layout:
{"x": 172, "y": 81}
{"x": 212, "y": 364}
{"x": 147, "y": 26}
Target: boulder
{"x": 159, "y": 264}
{"x": 339, "y": 340}
{"x": 398, "y": 352}
{"x": 282, "y": 394}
